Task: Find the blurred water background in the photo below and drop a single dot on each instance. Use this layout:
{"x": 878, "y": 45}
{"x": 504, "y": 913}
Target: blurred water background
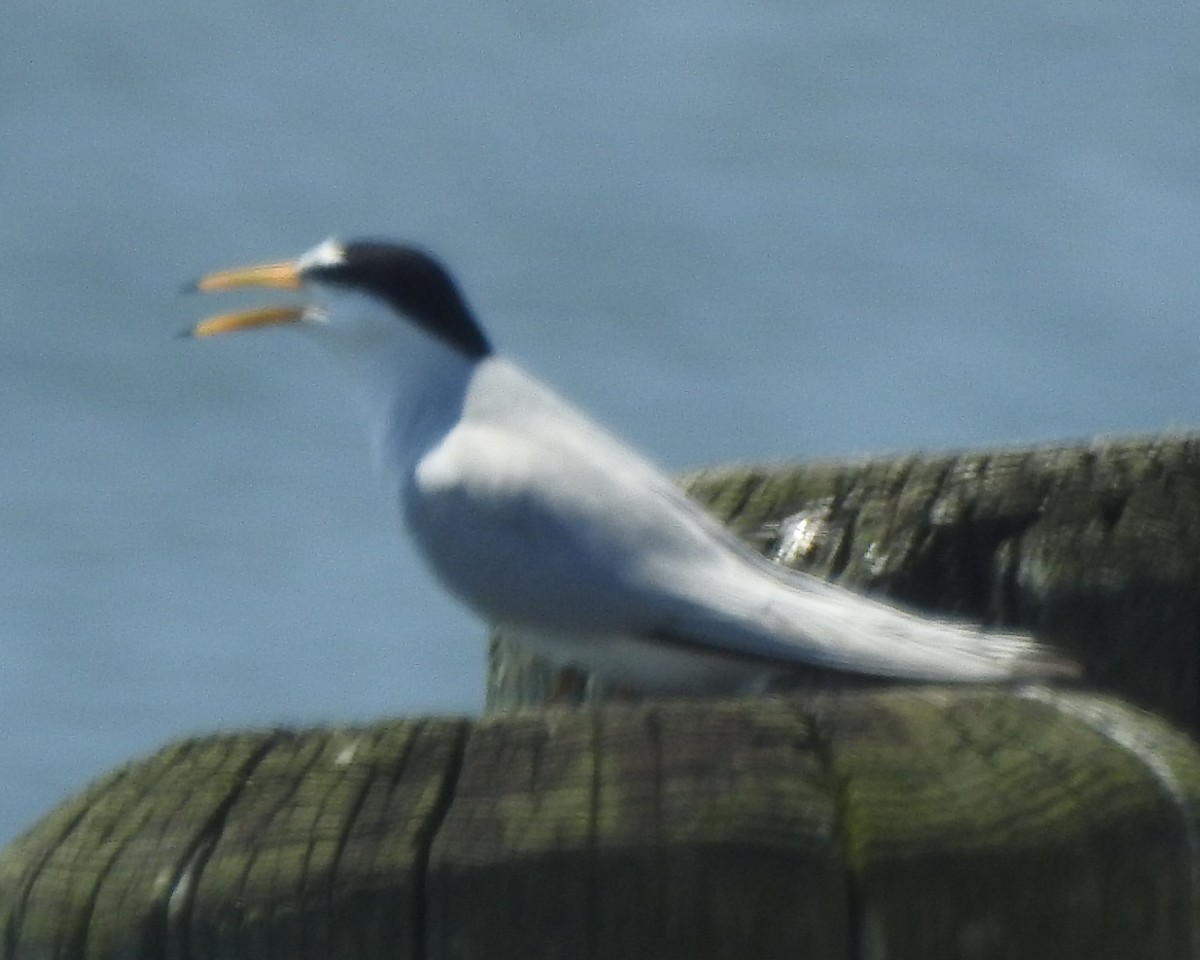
{"x": 747, "y": 230}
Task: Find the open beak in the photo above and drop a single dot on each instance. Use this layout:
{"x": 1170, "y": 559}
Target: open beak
{"x": 285, "y": 276}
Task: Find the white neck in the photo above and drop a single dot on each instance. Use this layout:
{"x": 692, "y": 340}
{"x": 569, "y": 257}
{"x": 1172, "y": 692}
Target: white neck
{"x": 410, "y": 385}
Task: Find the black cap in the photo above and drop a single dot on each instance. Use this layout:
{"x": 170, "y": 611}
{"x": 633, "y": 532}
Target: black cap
{"x": 414, "y": 283}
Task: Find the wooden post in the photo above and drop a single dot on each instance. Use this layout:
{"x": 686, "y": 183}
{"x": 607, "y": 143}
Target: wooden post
{"x": 912, "y": 822}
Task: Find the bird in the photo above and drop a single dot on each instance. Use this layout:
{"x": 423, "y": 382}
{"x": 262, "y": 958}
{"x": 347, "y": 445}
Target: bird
{"x": 550, "y": 528}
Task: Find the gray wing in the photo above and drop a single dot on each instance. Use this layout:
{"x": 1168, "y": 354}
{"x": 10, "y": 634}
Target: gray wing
{"x": 538, "y": 518}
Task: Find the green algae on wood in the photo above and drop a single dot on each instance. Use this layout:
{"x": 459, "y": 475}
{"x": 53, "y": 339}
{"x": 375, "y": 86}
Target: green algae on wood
{"x": 924, "y": 822}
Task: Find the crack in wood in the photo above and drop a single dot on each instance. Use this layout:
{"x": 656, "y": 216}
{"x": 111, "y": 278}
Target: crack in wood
{"x": 428, "y": 836}
{"x": 855, "y": 895}
{"x": 186, "y": 877}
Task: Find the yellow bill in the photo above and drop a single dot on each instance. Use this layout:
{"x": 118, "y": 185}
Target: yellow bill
{"x": 247, "y": 320}
{"x": 283, "y": 275}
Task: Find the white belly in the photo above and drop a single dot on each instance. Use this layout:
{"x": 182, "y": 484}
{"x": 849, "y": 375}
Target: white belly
{"x": 647, "y": 666}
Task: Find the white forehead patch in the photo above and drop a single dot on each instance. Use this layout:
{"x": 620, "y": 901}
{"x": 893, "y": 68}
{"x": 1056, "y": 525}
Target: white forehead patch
{"x": 327, "y": 254}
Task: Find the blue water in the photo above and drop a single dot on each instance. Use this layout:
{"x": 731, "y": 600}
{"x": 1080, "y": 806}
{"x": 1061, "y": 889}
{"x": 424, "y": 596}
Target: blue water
{"x": 735, "y": 231}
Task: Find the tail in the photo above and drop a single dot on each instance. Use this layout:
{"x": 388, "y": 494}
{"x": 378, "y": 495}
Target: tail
{"x": 802, "y": 620}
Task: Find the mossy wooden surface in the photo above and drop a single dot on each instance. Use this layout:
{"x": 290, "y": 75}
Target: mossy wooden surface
{"x": 1093, "y": 547}
{"x": 912, "y": 822}
{"x": 925, "y": 823}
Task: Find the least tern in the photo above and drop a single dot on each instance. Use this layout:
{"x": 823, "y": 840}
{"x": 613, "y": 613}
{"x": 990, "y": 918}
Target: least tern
{"x": 546, "y": 525}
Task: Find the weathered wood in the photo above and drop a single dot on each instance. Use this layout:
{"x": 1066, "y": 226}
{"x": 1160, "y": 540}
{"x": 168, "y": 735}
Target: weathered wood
{"x": 930, "y": 823}
{"x": 911, "y": 822}
{"x": 1093, "y": 547}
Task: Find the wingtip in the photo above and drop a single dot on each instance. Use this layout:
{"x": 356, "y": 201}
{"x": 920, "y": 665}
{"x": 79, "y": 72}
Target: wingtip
{"x": 1050, "y": 664}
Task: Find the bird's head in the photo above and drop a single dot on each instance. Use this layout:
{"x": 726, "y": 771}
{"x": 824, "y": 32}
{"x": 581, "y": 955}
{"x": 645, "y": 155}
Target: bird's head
{"x": 360, "y": 291}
